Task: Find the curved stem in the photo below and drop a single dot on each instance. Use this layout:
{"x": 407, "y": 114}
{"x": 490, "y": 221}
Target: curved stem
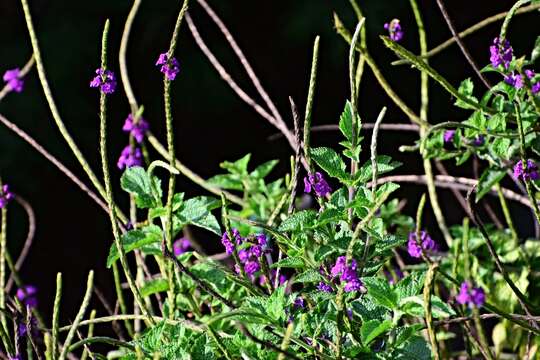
{"x": 123, "y": 54}
{"x": 309, "y": 103}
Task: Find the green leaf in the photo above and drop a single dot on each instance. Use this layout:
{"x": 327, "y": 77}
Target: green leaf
{"x": 416, "y": 348}
{"x": 536, "y": 51}
{"x": 490, "y": 177}
{"x": 135, "y": 239}
{"x": 414, "y": 305}
{"x": 238, "y": 167}
{"x": 411, "y": 285}
{"x": 380, "y": 291}
{"x": 154, "y": 286}
{"x": 196, "y": 211}
{"x": 466, "y": 90}
{"x": 308, "y": 276}
{"x": 373, "y": 328}
{"x": 229, "y": 182}
{"x": 330, "y": 162}
{"x": 384, "y": 165}
{"x": 298, "y": 221}
{"x": 345, "y": 121}
{"x": 289, "y": 262}
{"x": 264, "y": 169}
{"x": 136, "y": 181}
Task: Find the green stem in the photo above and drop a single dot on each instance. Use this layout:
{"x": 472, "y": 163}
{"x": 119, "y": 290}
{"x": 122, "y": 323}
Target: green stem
{"x": 3, "y": 250}
{"x": 90, "y": 334}
{"x": 56, "y": 315}
{"x": 101, "y": 340}
{"x": 123, "y": 54}
{"x": 506, "y": 212}
{"x": 78, "y": 317}
{"x": 428, "y": 289}
{"x": 107, "y": 179}
{"x": 54, "y": 110}
{"x": 509, "y": 16}
{"x": 309, "y": 103}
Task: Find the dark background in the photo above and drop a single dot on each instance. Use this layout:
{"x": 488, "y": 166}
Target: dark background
{"x": 212, "y": 124}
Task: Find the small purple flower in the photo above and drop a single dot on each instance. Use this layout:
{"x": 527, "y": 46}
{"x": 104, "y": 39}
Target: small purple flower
{"x": 169, "y": 67}
{"x": 180, "y": 246}
{"x": 324, "y": 287}
{"x": 130, "y": 156}
{"x": 470, "y": 296}
{"x": 530, "y": 173}
{"x": 348, "y": 274}
{"x": 448, "y": 136}
{"x": 317, "y": 183}
{"x": 5, "y": 196}
{"x": 536, "y": 88}
{"x": 349, "y": 313}
{"x": 299, "y": 303}
{"x": 281, "y": 281}
{"x": 394, "y": 30}
{"x": 13, "y": 80}
{"x": 426, "y": 241}
{"x": 22, "y": 328}
{"x": 353, "y": 285}
{"x": 251, "y": 267}
{"x": 500, "y": 53}
{"x": 229, "y": 245}
{"x": 261, "y": 239}
{"x": 105, "y": 80}
{"x": 515, "y": 80}
{"x": 479, "y": 140}
{"x": 27, "y": 295}
{"x": 137, "y": 129}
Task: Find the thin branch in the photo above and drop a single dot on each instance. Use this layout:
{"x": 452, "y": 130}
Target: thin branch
{"x": 29, "y": 237}
{"x": 461, "y": 44}
{"x": 27, "y": 67}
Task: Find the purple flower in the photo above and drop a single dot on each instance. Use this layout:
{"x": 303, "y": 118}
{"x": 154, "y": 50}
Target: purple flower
{"x": 530, "y": 173}
{"x": 448, "y": 136}
{"x": 5, "y": 196}
{"x": 515, "y": 80}
{"x": 299, "y": 303}
{"x": 251, "y": 267}
{"x": 105, "y": 80}
{"x": 261, "y": 239}
{"x": 318, "y": 183}
{"x": 27, "y": 295}
{"x": 22, "y": 328}
{"x": 169, "y": 67}
{"x": 324, "y": 287}
{"x": 137, "y": 129}
{"x": 500, "y": 53}
{"x": 536, "y": 88}
{"x": 479, "y": 140}
{"x": 470, "y": 296}
{"x": 13, "y": 80}
{"x": 348, "y": 274}
{"x": 130, "y": 156}
{"x": 281, "y": 281}
{"x": 180, "y": 246}
{"x": 426, "y": 241}
{"x": 394, "y": 30}
{"x": 229, "y": 245}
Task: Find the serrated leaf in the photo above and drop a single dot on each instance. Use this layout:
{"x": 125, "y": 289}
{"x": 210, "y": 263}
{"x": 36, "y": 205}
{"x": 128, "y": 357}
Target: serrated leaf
{"x": 371, "y": 329}
{"x": 330, "y": 162}
{"x": 226, "y": 181}
{"x": 414, "y": 305}
{"x": 135, "y": 239}
{"x": 490, "y": 177}
{"x": 384, "y": 165}
{"x": 466, "y": 90}
{"x": 289, "y": 262}
{"x": 238, "y": 167}
{"x": 264, "y": 169}
{"x": 298, "y": 221}
{"x": 380, "y": 291}
{"x": 308, "y": 276}
{"x": 410, "y": 285}
{"x": 135, "y": 180}
{"x": 154, "y": 286}
{"x": 345, "y": 121}
{"x": 196, "y": 211}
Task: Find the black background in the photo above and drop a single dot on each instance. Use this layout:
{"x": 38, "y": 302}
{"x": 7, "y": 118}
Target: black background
{"x": 212, "y": 124}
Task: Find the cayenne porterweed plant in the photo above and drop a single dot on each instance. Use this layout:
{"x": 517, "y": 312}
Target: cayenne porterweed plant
{"x": 321, "y": 263}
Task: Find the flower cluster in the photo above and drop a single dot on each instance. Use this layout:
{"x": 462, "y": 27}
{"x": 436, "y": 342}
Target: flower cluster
{"x": 105, "y": 80}
{"x": 5, "y": 196}
{"x": 136, "y": 127}
{"x": 516, "y": 80}
{"x": 181, "y": 246}
{"x": 317, "y": 183}
{"x": 394, "y": 30}
{"x": 130, "y": 156}
{"x": 250, "y": 256}
{"x": 28, "y": 296}
{"x": 415, "y": 247}
{"x": 500, "y": 53}
{"x": 169, "y": 67}
{"x": 347, "y": 274}
{"x": 470, "y": 296}
{"x": 229, "y": 245}
{"x": 530, "y": 172}
{"x": 12, "y": 78}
